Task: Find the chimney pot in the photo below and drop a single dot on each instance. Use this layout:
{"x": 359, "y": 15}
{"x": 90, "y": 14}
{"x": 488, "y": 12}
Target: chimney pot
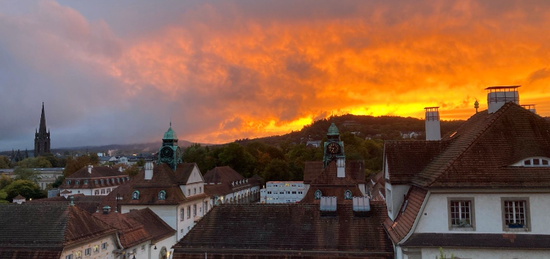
{"x": 497, "y": 96}
{"x": 90, "y": 167}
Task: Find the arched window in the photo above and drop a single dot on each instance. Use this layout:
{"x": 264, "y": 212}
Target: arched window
{"x": 77, "y": 182}
{"x": 534, "y": 162}
{"x": 135, "y": 195}
{"x": 162, "y": 195}
{"x": 68, "y": 182}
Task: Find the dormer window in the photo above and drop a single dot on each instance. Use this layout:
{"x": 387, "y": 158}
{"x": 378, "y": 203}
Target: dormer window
{"x": 135, "y": 195}
{"x": 162, "y": 195}
{"x": 534, "y": 162}
{"x": 85, "y": 182}
{"x": 68, "y": 182}
{"x": 77, "y": 182}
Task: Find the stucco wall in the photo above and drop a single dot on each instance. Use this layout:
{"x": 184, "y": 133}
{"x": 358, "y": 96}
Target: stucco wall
{"x": 103, "y": 253}
{"x": 431, "y": 253}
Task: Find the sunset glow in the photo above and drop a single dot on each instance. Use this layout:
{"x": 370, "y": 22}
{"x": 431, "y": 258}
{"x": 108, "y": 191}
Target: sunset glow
{"x": 228, "y": 70}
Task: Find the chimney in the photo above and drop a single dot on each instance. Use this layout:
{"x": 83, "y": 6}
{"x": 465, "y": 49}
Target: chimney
{"x": 497, "y": 96}
{"x": 120, "y": 169}
{"x": 433, "y": 130}
{"x": 106, "y": 209}
{"x": 328, "y": 204}
{"x": 90, "y": 168}
{"x": 149, "y": 170}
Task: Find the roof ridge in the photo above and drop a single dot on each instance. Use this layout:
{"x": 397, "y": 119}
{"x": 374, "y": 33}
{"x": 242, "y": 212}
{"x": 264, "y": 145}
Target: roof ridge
{"x": 488, "y": 124}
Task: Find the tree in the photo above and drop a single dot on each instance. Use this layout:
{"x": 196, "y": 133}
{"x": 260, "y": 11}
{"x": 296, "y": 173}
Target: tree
{"x": 140, "y": 162}
{"x": 4, "y": 162}
{"x": 3, "y": 197}
{"x": 75, "y": 164}
{"x": 35, "y": 162}
{"x": 132, "y": 170}
{"x": 4, "y": 181}
{"x": 234, "y": 156}
{"x": 58, "y": 182}
{"x": 26, "y": 188}
{"x": 277, "y": 170}
{"x": 22, "y": 173}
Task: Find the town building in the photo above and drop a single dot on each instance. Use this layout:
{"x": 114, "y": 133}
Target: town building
{"x": 283, "y": 192}
{"x": 54, "y": 231}
{"x": 42, "y": 141}
{"x": 333, "y": 220}
{"x": 173, "y": 190}
{"x": 141, "y": 233}
{"x": 225, "y": 185}
{"x": 93, "y": 180}
{"x": 478, "y": 192}
{"x": 46, "y": 176}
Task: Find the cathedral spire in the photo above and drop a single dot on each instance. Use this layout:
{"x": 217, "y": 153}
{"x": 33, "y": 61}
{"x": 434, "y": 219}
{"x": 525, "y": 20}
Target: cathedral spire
{"x": 42, "y": 121}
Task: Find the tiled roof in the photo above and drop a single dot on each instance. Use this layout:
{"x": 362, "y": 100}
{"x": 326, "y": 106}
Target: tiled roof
{"x": 331, "y": 185}
{"x": 42, "y": 253}
{"x": 404, "y": 221}
{"x": 219, "y": 181}
{"x": 87, "y": 203}
{"x": 479, "y": 153}
{"x": 409, "y": 158}
{"x": 311, "y": 170}
{"x": 222, "y": 174}
{"x": 479, "y": 240}
{"x": 288, "y": 230}
{"x": 153, "y": 224}
{"x": 130, "y": 232}
{"x": 46, "y": 227}
{"x": 164, "y": 179}
{"x": 101, "y": 176}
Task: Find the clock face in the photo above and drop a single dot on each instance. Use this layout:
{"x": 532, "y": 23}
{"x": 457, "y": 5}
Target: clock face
{"x": 167, "y": 152}
{"x": 333, "y": 148}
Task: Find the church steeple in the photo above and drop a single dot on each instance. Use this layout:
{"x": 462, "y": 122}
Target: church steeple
{"x": 334, "y": 150}
{"x": 42, "y": 137}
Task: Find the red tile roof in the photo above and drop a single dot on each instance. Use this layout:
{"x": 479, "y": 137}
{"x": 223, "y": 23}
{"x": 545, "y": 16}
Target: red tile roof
{"x": 38, "y": 229}
{"x": 331, "y": 185}
{"x": 164, "y": 179}
{"x": 88, "y": 203}
{"x": 478, "y": 154}
{"x": 130, "y": 232}
{"x": 288, "y": 230}
{"x": 153, "y": 224}
{"x": 398, "y": 229}
{"x": 101, "y": 176}
{"x": 219, "y": 181}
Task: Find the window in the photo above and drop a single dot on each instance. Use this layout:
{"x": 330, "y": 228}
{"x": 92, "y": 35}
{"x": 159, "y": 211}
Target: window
{"x": 85, "y": 182}
{"x": 195, "y": 191}
{"x": 200, "y": 189}
{"x": 461, "y": 213}
{"x": 268, "y": 192}
{"x": 194, "y": 210}
{"x": 77, "y": 182}
{"x": 281, "y": 192}
{"x": 162, "y": 195}
{"x": 134, "y": 251}
{"x": 96, "y": 249}
{"x": 189, "y": 192}
{"x": 69, "y": 183}
{"x": 142, "y": 248}
{"x": 188, "y": 212}
{"x": 104, "y": 246}
{"x": 69, "y": 256}
{"x": 88, "y": 251}
{"x": 182, "y": 214}
{"x": 102, "y": 191}
{"x": 95, "y": 182}
{"x": 515, "y": 214}
{"x": 135, "y": 195}
{"x": 78, "y": 255}
{"x": 96, "y": 192}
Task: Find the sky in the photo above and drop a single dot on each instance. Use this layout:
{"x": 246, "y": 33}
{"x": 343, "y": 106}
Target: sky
{"x": 117, "y": 72}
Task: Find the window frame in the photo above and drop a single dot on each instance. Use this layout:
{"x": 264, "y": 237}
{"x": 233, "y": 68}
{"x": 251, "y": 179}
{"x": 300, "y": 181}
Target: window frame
{"x": 505, "y": 227}
{"x": 472, "y": 226}
{"x": 88, "y": 251}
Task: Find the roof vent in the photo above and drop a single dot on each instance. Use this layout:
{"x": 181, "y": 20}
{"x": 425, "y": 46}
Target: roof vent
{"x": 361, "y": 204}
{"x": 328, "y": 204}
{"x": 497, "y": 96}
{"x": 90, "y": 167}
{"x": 106, "y": 209}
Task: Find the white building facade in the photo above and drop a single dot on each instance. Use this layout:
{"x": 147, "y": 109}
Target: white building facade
{"x": 283, "y": 192}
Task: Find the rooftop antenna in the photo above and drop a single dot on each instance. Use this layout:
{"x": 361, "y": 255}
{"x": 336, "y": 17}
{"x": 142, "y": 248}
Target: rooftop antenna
{"x": 476, "y": 105}
{"x": 170, "y": 121}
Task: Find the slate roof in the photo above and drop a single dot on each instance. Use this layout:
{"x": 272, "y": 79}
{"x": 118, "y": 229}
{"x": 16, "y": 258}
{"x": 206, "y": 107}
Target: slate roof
{"x": 164, "y": 179}
{"x": 280, "y": 230}
{"x": 479, "y": 240}
{"x": 42, "y": 230}
{"x": 398, "y": 229}
{"x": 478, "y": 154}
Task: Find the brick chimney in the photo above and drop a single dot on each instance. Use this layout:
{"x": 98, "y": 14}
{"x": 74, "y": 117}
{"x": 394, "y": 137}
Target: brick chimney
{"x": 497, "y": 96}
{"x": 148, "y": 170}
{"x": 433, "y": 129}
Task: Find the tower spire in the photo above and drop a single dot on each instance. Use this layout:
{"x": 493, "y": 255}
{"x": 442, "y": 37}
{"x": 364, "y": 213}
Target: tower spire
{"x": 42, "y": 129}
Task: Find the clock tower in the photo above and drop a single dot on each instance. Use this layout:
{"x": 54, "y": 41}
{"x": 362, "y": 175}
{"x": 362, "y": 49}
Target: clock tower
{"x": 334, "y": 150}
{"x": 169, "y": 152}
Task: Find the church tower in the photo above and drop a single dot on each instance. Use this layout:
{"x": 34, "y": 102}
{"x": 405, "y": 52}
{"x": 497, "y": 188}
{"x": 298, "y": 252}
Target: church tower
{"x": 334, "y": 150}
{"x": 41, "y": 137}
{"x": 169, "y": 152}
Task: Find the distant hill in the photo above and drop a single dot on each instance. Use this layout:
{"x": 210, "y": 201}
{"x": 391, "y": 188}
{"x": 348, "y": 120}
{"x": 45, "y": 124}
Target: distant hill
{"x": 382, "y": 127}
